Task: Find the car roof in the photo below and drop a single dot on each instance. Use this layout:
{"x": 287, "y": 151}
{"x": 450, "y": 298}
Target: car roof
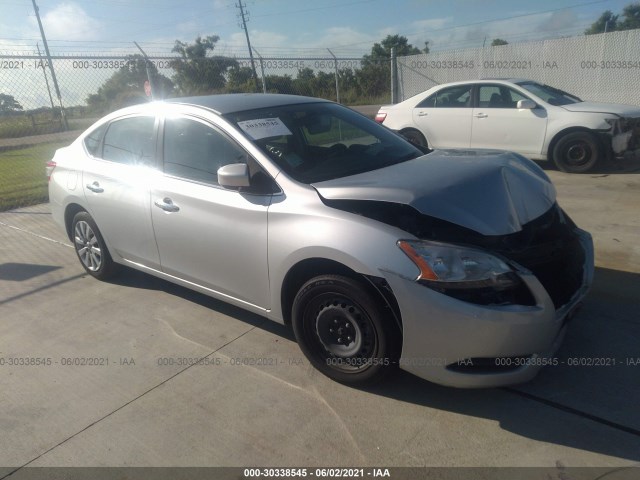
{"x": 238, "y": 102}
{"x": 486, "y": 80}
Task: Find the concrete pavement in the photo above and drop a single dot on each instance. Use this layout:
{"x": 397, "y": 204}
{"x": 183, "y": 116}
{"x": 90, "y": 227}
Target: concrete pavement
{"x": 255, "y": 400}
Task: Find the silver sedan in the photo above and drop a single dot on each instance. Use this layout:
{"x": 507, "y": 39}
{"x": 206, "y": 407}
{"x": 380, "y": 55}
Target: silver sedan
{"x": 457, "y": 266}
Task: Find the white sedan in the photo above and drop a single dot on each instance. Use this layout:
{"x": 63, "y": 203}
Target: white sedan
{"x": 535, "y": 120}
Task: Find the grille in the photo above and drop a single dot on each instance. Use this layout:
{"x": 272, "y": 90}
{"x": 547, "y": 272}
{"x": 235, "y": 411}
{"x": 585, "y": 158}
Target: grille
{"x": 553, "y": 253}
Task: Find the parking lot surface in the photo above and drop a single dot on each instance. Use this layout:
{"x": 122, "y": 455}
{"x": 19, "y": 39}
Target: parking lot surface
{"x": 103, "y": 374}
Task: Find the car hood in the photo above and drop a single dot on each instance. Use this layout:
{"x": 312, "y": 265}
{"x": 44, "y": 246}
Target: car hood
{"x": 595, "y": 107}
{"x": 491, "y": 192}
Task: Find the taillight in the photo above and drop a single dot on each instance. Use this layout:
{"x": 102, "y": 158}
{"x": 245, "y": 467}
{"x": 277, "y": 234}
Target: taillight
{"x": 50, "y": 167}
{"x": 380, "y": 116}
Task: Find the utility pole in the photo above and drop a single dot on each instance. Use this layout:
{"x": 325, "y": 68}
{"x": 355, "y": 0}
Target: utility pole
{"x": 46, "y": 79}
{"x": 53, "y": 72}
{"x": 264, "y": 84}
{"x": 244, "y": 19}
{"x": 146, "y": 66}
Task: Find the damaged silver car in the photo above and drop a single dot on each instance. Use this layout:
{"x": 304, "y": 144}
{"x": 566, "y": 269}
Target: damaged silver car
{"x": 457, "y": 266}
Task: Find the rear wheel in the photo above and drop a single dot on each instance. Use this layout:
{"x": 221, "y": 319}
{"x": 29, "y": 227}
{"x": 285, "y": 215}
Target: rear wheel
{"x": 341, "y": 329}
{"x": 576, "y": 152}
{"x": 90, "y": 247}
{"x": 415, "y": 137}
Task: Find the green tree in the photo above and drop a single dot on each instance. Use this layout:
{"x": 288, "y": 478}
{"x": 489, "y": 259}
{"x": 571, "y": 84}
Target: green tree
{"x": 630, "y": 17}
{"x": 198, "y": 73}
{"x": 8, "y": 104}
{"x": 240, "y": 80}
{"x": 426, "y": 47}
{"x": 279, "y": 84}
{"x": 374, "y": 77}
{"x": 126, "y": 86}
{"x": 498, "y": 41}
{"x": 607, "y": 20}
{"x": 381, "y": 52}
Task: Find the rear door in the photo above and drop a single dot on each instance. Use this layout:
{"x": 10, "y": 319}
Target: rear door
{"x": 116, "y": 181}
{"x": 207, "y": 234}
{"x": 445, "y": 117}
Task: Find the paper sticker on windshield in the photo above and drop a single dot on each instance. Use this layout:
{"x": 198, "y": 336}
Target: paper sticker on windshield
{"x": 264, "y": 127}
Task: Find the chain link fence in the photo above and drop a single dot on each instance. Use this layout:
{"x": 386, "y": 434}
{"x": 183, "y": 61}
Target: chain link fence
{"x": 35, "y": 120}
{"x": 602, "y": 68}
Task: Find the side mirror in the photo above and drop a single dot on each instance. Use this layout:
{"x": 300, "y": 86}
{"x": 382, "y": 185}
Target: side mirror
{"x": 526, "y": 104}
{"x": 234, "y": 175}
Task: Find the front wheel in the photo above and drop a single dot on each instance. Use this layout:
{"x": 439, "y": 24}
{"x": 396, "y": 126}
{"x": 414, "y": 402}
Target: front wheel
{"x": 342, "y": 330}
{"x": 576, "y": 152}
{"x": 90, "y": 247}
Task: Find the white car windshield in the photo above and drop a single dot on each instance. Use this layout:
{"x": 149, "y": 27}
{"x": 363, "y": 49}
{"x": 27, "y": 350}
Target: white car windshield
{"x": 313, "y": 142}
{"x": 551, "y": 95}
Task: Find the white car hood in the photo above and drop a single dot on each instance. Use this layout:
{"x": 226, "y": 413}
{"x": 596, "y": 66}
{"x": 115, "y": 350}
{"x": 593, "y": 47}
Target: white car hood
{"x": 491, "y": 192}
{"x": 595, "y": 107}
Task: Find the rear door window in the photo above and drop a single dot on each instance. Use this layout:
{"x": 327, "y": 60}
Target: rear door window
{"x": 452, "y": 97}
{"x": 130, "y": 141}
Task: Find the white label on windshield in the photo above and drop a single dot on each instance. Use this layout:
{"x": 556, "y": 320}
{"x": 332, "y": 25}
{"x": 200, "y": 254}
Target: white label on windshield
{"x": 264, "y": 127}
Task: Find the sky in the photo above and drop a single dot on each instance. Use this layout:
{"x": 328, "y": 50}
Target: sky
{"x": 286, "y": 27}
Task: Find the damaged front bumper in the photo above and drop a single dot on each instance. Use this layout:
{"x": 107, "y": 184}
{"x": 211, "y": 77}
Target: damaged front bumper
{"x": 624, "y": 136}
{"x": 456, "y": 343}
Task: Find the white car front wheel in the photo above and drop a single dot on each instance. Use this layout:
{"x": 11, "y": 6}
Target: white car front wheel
{"x": 576, "y": 152}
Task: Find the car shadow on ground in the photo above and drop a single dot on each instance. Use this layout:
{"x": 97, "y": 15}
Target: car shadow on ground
{"x": 593, "y": 397}
{"x": 616, "y": 166}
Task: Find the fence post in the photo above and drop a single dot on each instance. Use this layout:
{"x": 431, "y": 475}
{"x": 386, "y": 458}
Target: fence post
{"x": 394, "y": 76}
{"x": 335, "y": 68}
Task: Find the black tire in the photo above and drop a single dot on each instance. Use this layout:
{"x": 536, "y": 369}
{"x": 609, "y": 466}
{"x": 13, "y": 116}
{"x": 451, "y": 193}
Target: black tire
{"x": 576, "y": 152}
{"x": 341, "y": 328}
{"x": 415, "y": 137}
{"x": 90, "y": 247}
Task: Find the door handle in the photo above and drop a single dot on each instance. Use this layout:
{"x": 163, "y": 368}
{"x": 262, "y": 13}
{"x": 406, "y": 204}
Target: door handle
{"x": 423, "y": 114}
{"x": 95, "y": 187}
{"x": 167, "y": 205}
{"x": 481, "y": 115}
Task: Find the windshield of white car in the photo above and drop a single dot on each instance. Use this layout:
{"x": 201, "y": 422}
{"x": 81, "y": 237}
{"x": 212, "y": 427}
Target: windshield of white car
{"x": 549, "y": 94}
{"x": 314, "y": 142}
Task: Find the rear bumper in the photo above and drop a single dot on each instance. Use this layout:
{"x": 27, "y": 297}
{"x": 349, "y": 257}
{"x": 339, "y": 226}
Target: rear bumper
{"x": 441, "y": 334}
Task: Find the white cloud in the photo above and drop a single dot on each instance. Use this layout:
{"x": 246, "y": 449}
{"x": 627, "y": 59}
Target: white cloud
{"x": 344, "y": 37}
{"x": 68, "y": 21}
{"x": 560, "y": 20}
{"x": 430, "y": 24}
{"x": 262, "y": 41}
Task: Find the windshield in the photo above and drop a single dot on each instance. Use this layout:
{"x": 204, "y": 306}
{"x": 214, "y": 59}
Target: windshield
{"x": 313, "y": 142}
{"x": 551, "y": 95}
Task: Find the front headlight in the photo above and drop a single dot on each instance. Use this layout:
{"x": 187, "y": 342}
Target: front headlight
{"x": 466, "y": 273}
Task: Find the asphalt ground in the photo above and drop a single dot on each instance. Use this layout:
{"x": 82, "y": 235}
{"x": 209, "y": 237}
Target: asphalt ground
{"x": 255, "y": 401}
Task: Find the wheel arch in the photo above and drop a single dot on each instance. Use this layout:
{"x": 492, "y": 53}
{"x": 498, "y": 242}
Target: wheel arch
{"x": 554, "y": 140}
{"x": 402, "y": 131}
{"x": 309, "y": 268}
{"x": 71, "y": 211}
